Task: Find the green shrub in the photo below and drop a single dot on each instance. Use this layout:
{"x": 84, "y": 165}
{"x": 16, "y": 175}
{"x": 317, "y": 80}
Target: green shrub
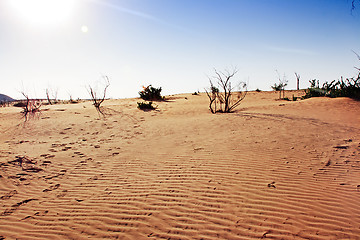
{"x": 150, "y": 93}
{"x": 145, "y": 106}
{"x": 340, "y": 88}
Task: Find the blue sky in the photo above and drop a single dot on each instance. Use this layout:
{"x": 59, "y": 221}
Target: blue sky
{"x": 174, "y": 44}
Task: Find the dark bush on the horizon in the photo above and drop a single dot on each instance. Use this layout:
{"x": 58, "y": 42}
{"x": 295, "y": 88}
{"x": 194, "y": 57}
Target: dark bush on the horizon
{"x": 349, "y": 87}
{"x": 150, "y": 93}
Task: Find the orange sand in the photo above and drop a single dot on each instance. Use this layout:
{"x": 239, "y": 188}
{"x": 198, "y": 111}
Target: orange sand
{"x": 271, "y": 170}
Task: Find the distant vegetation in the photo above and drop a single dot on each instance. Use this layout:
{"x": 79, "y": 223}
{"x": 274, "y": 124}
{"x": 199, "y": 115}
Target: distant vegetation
{"x": 350, "y": 87}
{"x": 150, "y": 93}
{"x": 53, "y": 93}
{"x": 281, "y": 85}
{"x": 5, "y": 100}
{"x": 340, "y": 88}
{"x": 97, "y": 101}
{"x": 145, "y": 106}
{"x": 31, "y": 108}
{"x": 224, "y": 96}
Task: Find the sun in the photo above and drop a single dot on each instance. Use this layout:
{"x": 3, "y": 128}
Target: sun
{"x": 84, "y": 29}
{"x": 43, "y": 12}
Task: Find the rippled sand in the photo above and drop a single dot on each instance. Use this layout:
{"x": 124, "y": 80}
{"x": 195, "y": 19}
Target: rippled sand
{"x": 273, "y": 169}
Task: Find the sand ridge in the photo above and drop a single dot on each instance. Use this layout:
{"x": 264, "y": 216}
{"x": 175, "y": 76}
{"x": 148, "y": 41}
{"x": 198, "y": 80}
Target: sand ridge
{"x": 273, "y": 169}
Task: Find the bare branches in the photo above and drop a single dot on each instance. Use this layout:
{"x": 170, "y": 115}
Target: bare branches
{"x": 282, "y": 84}
{"x": 230, "y": 97}
{"x": 212, "y": 95}
{"x": 358, "y": 56}
{"x": 53, "y": 93}
{"x": 353, "y": 5}
{"x": 94, "y": 95}
{"x": 30, "y": 108}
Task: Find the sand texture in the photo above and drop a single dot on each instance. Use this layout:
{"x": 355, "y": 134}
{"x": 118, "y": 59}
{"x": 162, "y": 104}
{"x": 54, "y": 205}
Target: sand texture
{"x": 271, "y": 170}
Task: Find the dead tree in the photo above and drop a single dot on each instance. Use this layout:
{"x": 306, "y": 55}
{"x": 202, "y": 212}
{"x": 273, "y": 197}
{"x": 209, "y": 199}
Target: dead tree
{"x": 94, "y": 96}
{"x": 297, "y": 81}
{"x": 48, "y": 97}
{"x": 53, "y": 93}
{"x": 228, "y": 96}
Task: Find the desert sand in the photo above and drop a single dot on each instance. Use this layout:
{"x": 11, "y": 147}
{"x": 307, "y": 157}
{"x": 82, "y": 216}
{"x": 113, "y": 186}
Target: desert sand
{"x": 270, "y": 170}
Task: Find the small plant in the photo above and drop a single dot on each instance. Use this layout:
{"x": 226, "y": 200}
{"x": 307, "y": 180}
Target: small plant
{"x": 150, "y": 93}
{"x": 257, "y": 90}
{"x": 145, "y": 106}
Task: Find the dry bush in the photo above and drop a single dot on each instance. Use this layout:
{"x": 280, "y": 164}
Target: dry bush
{"x": 281, "y": 86}
{"x": 94, "y": 95}
{"x": 151, "y": 93}
{"x": 224, "y": 97}
{"x": 31, "y": 107}
{"x": 53, "y": 93}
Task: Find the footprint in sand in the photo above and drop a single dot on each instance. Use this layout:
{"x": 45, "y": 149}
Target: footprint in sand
{"x": 271, "y": 185}
{"x": 51, "y": 188}
{"x": 14, "y": 207}
{"x": 36, "y": 214}
{"x": 8, "y": 195}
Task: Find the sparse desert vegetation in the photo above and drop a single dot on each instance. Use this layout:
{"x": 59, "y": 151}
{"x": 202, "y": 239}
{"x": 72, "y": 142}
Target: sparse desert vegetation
{"x": 151, "y": 93}
{"x": 224, "y": 96}
{"x": 147, "y": 169}
{"x": 260, "y": 154}
{"x": 280, "y": 87}
{"x": 31, "y": 107}
{"x": 145, "y": 105}
{"x": 94, "y": 94}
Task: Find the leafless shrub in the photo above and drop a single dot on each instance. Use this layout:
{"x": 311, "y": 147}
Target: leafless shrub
{"x": 282, "y": 84}
{"x": 229, "y": 97}
{"x": 31, "y": 107}
{"x": 94, "y": 95}
{"x": 53, "y": 93}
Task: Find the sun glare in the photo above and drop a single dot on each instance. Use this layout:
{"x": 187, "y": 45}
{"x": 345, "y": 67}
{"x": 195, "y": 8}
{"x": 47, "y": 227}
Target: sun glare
{"x": 43, "y": 12}
{"x": 84, "y": 29}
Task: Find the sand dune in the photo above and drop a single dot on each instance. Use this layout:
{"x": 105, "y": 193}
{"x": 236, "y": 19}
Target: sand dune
{"x": 271, "y": 170}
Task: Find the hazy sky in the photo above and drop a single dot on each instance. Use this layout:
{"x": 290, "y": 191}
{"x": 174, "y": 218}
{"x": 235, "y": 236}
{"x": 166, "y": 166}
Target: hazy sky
{"x": 175, "y": 44}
